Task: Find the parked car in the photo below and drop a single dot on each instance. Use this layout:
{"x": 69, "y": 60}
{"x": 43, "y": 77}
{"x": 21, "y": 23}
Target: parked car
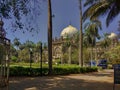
{"x": 103, "y": 63}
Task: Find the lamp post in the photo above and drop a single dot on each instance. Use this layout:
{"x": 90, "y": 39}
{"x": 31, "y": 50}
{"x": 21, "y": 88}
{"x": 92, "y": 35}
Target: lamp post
{"x": 31, "y": 60}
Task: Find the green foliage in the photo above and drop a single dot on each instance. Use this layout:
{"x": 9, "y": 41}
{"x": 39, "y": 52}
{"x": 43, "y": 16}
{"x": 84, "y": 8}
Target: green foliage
{"x": 106, "y": 42}
{"x": 25, "y": 71}
{"x": 14, "y": 58}
{"x": 29, "y": 44}
{"x": 16, "y": 42}
{"x": 86, "y": 55}
{"x": 113, "y": 55}
{"x": 64, "y": 70}
{"x": 13, "y": 51}
{"x": 91, "y": 32}
{"x": 38, "y": 47}
{"x": 75, "y": 56}
{"x": 57, "y": 70}
{"x": 65, "y": 58}
{"x": 24, "y": 55}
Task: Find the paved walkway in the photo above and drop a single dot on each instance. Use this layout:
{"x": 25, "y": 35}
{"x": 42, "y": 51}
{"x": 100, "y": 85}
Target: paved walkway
{"x": 102, "y": 80}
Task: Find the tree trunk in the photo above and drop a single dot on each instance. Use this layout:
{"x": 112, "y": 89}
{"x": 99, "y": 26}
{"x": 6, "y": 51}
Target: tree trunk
{"x": 81, "y": 38}
{"x": 50, "y": 37}
{"x": 70, "y": 55}
{"x": 91, "y": 56}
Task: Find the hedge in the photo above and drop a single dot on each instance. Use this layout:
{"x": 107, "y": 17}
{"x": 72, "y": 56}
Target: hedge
{"x": 60, "y": 70}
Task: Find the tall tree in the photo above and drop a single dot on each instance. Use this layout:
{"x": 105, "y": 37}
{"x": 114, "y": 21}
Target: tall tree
{"x": 118, "y": 29}
{"x": 50, "y": 36}
{"x": 97, "y": 8}
{"x": 81, "y": 37}
{"x": 91, "y": 33}
{"x": 67, "y": 46}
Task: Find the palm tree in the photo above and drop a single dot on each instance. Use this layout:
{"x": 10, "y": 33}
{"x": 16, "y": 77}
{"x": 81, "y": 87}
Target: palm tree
{"x": 68, "y": 45}
{"x": 81, "y": 38}
{"x": 91, "y": 33}
{"x": 91, "y": 30}
{"x": 97, "y": 8}
{"x": 50, "y": 36}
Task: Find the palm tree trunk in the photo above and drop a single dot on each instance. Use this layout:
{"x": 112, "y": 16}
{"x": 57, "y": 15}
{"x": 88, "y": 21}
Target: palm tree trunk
{"x": 91, "y": 56}
{"x": 70, "y": 55}
{"x": 50, "y": 37}
{"x": 95, "y": 52}
{"x": 81, "y": 38}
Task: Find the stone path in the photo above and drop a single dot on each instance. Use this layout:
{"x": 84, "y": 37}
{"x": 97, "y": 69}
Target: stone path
{"x": 102, "y": 80}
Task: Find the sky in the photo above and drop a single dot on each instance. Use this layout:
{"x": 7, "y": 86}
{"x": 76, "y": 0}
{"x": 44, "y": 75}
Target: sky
{"x": 66, "y": 12}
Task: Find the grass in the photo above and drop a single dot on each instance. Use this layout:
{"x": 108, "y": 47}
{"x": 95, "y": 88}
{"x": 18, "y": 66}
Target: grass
{"x": 37, "y": 65}
{"x": 22, "y": 64}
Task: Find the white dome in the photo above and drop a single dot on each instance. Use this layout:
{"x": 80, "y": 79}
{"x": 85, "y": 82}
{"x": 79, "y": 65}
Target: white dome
{"x": 112, "y": 36}
{"x": 68, "y": 31}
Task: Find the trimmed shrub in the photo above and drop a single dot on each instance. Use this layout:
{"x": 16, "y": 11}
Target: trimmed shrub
{"x": 57, "y": 70}
{"x": 26, "y": 71}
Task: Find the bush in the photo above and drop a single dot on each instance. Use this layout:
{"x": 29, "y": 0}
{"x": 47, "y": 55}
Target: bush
{"x": 26, "y": 71}
{"x": 57, "y": 70}
{"x": 63, "y": 70}
{"x": 14, "y": 58}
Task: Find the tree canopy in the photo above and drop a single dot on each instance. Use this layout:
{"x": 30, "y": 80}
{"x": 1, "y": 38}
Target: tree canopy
{"x": 21, "y": 12}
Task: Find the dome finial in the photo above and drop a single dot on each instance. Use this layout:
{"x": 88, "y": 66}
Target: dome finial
{"x": 70, "y": 22}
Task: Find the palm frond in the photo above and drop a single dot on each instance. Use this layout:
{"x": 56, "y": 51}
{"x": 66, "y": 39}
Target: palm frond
{"x": 86, "y": 25}
{"x": 115, "y": 10}
{"x": 100, "y": 10}
{"x": 89, "y": 13}
{"x": 90, "y": 2}
{"x": 98, "y": 24}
